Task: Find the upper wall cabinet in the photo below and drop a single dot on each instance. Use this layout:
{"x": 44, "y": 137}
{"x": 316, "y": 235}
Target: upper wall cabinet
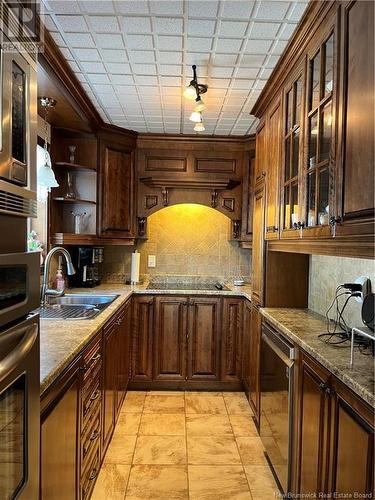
{"x": 355, "y": 187}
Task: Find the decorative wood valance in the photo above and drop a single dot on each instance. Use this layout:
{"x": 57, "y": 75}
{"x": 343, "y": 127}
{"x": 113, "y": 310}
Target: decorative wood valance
{"x": 189, "y": 183}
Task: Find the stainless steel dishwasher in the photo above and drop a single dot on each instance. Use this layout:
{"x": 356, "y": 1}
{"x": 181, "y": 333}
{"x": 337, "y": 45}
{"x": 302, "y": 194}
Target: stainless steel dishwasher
{"x": 276, "y": 384}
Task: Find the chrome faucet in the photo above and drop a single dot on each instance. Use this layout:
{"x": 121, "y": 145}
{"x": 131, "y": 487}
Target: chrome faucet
{"x": 69, "y": 267}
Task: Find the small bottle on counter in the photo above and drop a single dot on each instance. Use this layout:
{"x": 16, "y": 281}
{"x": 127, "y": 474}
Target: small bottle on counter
{"x": 60, "y": 281}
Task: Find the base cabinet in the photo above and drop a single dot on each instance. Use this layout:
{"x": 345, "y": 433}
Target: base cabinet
{"x": 335, "y": 436}
{"x": 142, "y": 349}
{"x": 245, "y": 349}
{"x": 254, "y": 360}
{"x": 231, "y": 344}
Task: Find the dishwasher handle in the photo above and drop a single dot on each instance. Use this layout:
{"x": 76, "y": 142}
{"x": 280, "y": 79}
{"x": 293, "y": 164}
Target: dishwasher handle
{"x": 287, "y": 360}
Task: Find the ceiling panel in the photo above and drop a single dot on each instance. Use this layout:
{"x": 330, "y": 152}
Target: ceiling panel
{"x": 134, "y": 57}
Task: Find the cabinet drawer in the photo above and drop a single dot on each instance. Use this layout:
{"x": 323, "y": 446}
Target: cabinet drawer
{"x": 92, "y": 363}
{"x": 90, "y": 474}
{"x": 89, "y": 402}
{"x": 91, "y": 437}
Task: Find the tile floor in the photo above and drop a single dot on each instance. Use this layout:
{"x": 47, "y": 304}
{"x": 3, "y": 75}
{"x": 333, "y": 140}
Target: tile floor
{"x": 185, "y": 445}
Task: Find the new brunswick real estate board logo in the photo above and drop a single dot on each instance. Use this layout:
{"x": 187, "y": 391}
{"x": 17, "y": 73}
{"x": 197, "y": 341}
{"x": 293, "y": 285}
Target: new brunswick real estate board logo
{"x": 20, "y": 26}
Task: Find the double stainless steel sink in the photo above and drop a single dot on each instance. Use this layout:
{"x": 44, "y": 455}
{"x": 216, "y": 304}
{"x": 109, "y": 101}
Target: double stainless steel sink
{"x": 76, "y": 306}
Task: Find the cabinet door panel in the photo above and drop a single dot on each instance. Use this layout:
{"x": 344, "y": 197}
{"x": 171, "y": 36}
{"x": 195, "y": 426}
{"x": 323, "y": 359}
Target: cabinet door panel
{"x": 231, "y": 336}
{"x": 352, "y": 453}
{"x": 245, "y": 370}
{"x": 254, "y": 361}
{"x": 312, "y": 412}
{"x": 258, "y": 244}
{"x": 117, "y": 192}
{"x": 109, "y": 384}
{"x": 143, "y": 338}
{"x": 204, "y": 338}
{"x": 170, "y": 338}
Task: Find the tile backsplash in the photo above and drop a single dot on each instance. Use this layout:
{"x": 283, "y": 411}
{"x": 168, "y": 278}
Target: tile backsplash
{"x": 187, "y": 240}
{"x": 327, "y": 272}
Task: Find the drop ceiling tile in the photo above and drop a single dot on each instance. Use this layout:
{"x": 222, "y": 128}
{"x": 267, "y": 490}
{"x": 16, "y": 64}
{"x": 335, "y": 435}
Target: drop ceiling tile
{"x": 271, "y": 61}
{"x": 201, "y": 27}
{"x": 259, "y": 84}
{"x": 95, "y": 7}
{"x": 88, "y": 55}
{"x": 103, "y": 89}
{"x": 238, "y": 93}
{"x": 136, "y": 24}
{"x": 104, "y": 24}
{"x": 243, "y": 84}
{"x": 93, "y": 67}
{"x": 228, "y": 45}
{"x": 166, "y": 42}
{"x": 109, "y": 55}
{"x": 170, "y": 69}
{"x": 247, "y": 72}
{"x": 199, "y": 44}
{"x": 279, "y": 47}
{"x": 298, "y": 10}
{"x": 146, "y": 80}
{"x": 207, "y": 8}
{"x": 167, "y": 26}
{"x": 220, "y": 72}
{"x": 150, "y": 90}
{"x": 287, "y": 31}
{"x": 252, "y": 60}
{"x": 272, "y": 10}
{"x": 98, "y": 78}
{"x": 64, "y": 7}
{"x": 144, "y": 69}
{"x": 167, "y": 7}
{"x": 265, "y": 73}
{"x": 169, "y": 57}
{"x": 237, "y": 9}
{"x": 118, "y": 68}
{"x": 132, "y": 7}
{"x": 139, "y": 42}
{"x": 258, "y": 46}
{"x": 264, "y": 30}
{"x": 83, "y": 40}
{"x": 200, "y": 59}
{"x": 174, "y": 81}
{"x": 170, "y": 91}
{"x": 125, "y": 85}
{"x": 75, "y": 24}
{"x": 58, "y": 39}
{"x": 232, "y": 28}
{"x": 224, "y": 59}
{"x": 109, "y": 41}
{"x": 141, "y": 56}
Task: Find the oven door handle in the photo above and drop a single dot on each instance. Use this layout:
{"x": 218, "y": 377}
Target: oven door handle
{"x": 28, "y": 336}
{"x": 285, "y": 359}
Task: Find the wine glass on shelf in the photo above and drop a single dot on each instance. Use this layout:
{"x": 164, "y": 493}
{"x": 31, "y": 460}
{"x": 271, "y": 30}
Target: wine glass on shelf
{"x": 78, "y": 218}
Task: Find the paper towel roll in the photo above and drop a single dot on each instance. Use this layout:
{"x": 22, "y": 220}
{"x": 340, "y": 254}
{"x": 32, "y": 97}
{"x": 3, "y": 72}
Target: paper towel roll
{"x": 134, "y": 273}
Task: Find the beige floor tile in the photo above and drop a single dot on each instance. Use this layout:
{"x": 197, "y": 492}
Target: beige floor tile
{"x": 157, "y": 424}
{"x": 209, "y": 394}
{"x": 198, "y": 404}
{"x": 208, "y": 425}
{"x": 164, "y": 404}
{"x": 218, "y": 482}
{"x": 251, "y": 450}
{"x": 236, "y": 394}
{"x": 111, "y": 483}
{"x": 155, "y": 482}
{"x": 128, "y": 423}
{"x": 261, "y": 482}
{"x": 243, "y": 426}
{"x": 237, "y": 405}
{"x": 160, "y": 450}
{"x": 134, "y": 402}
{"x": 212, "y": 450}
{"x": 120, "y": 449}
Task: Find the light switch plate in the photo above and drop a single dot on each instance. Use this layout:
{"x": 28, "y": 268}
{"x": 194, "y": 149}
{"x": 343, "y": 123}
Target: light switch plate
{"x": 151, "y": 260}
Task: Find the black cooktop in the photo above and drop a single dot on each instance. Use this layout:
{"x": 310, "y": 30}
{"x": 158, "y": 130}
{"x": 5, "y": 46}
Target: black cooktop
{"x": 217, "y": 287}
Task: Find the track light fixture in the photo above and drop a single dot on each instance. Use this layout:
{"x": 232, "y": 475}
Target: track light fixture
{"x": 193, "y": 92}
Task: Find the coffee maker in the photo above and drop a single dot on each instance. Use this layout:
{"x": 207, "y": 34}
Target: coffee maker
{"x": 88, "y": 263}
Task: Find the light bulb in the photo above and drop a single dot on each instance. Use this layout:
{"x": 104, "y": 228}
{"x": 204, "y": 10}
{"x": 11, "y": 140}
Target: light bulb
{"x": 190, "y": 92}
{"x": 199, "y": 127}
{"x": 200, "y": 105}
{"x": 195, "y": 117}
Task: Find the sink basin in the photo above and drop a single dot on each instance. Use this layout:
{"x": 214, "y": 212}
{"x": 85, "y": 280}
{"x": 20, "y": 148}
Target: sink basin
{"x": 99, "y": 301}
{"x": 79, "y": 311}
{"x": 76, "y": 306}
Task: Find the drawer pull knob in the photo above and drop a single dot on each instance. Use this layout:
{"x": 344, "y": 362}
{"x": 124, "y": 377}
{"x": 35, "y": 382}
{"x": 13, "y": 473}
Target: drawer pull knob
{"x": 96, "y": 357}
{"x": 94, "y": 435}
{"x": 95, "y": 395}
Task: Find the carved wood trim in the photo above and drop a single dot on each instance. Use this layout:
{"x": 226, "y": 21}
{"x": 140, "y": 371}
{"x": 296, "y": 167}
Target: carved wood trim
{"x": 150, "y": 201}
{"x": 228, "y": 204}
{"x": 190, "y": 183}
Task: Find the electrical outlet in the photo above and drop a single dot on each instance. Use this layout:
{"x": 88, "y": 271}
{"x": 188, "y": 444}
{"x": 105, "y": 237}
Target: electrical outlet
{"x": 366, "y": 287}
{"x": 151, "y": 260}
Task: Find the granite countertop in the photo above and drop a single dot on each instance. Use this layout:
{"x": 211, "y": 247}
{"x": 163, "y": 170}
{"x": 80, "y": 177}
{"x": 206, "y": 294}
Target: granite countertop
{"x": 62, "y": 340}
{"x": 303, "y": 326}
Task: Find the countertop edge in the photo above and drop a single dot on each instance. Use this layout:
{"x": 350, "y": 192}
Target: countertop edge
{"x": 360, "y": 391}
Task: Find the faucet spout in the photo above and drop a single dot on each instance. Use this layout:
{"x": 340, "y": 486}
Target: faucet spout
{"x": 69, "y": 267}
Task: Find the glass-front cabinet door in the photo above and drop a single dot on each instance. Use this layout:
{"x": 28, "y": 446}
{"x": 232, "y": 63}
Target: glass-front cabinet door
{"x": 319, "y": 144}
{"x": 291, "y": 215}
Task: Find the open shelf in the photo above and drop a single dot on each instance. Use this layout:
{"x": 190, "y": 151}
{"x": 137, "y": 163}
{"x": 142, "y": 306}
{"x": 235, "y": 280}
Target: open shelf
{"x": 87, "y": 240}
{"x": 73, "y": 200}
{"x": 73, "y": 166}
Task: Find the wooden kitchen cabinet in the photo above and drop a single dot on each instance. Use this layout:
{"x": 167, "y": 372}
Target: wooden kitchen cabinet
{"x": 254, "y": 360}
{"x": 258, "y": 244}
{"x": 204, "y": 338}
{"x": 124, "y": 343}
{"x": 245, "y": 348}
{"x": 143, "y": 332}
{"x": 60, "y": 437}
{"x": 231, "y": 344}
{"x": 170, "y": 337}
{"x": 335, "y": 435}
{"x": 355, "y": 186}
{"x": 117, "y": 191}
{"x": 272, "y": 201}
